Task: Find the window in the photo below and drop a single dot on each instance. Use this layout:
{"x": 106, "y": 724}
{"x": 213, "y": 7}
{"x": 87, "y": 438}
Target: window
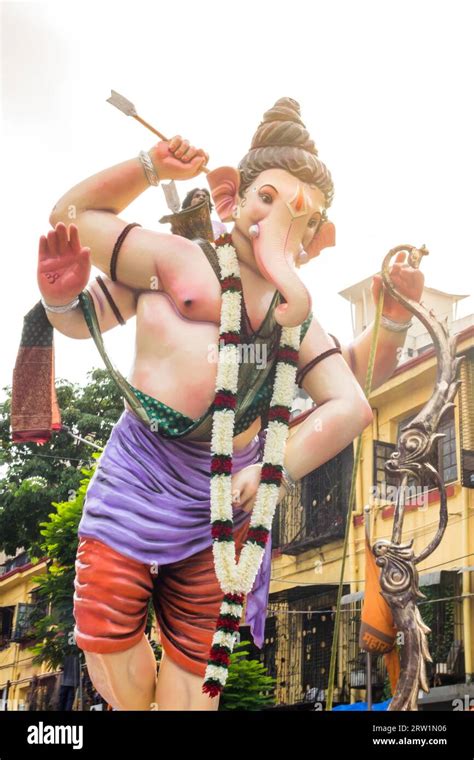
{"x": 382, "y": 479}
{"x": 447, "y": 448}
{"x": 6, "y": 620}
{"x": 466, "y": 419}
{"x": 23, "y": 622}
{"x": 444, "y": 455}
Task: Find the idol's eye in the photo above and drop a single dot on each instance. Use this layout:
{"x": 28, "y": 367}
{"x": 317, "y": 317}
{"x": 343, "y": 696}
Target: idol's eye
{"x": 314, "y": 223}
{"x": 265, "y": 197}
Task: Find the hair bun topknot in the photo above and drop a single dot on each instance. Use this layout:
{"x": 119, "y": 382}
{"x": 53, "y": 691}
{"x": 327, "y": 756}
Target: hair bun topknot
{"x": 282, "y": 141}
{"x": 282, "y": 125}
{"x": 285, "y": 109}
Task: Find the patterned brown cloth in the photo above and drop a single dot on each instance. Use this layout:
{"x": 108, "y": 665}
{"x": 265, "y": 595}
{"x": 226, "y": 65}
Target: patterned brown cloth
{"x": 35, "y": 412}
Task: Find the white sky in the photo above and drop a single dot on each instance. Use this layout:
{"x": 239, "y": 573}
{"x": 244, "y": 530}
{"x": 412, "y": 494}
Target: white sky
{"x": 385, "y": 90}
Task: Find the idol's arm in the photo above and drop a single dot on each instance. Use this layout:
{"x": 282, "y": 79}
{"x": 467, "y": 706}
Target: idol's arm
{"x": 389, "y": 346}
{"x": 73, "y": 325}
{"x": 93, "y": 206}
{"x": 342, "y": 410}
{"x": 63, "y": 272}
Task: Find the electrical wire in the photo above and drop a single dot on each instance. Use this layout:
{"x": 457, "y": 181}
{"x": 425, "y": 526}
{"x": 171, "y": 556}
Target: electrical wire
{"x": 362, "y": 580}
{"x": 51, "y": 456}
{"x": 350, "y": 612}
{"x": 421, "y": 528}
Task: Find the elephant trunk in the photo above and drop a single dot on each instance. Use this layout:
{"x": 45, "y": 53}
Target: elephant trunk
{"x": 274, "y": 255}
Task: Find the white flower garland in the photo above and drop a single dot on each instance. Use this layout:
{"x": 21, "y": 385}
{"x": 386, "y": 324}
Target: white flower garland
{"x": 237, "y": 579}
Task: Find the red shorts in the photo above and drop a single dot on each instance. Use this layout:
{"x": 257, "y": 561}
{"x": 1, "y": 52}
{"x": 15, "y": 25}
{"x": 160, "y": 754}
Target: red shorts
{"x": 112, "y": 593}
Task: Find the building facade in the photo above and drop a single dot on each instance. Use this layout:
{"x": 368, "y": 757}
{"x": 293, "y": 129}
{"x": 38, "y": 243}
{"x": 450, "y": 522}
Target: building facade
{"x": 22, "y": 683}
{"x": 309, "y": 529}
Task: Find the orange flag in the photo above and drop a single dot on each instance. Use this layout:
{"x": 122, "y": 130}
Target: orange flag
{"x": 377, "y": 630}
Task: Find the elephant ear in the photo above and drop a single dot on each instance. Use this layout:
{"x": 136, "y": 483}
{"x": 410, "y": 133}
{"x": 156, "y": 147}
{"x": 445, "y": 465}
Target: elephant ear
{"x": 325, "y": 237}
{"x": 224, "y": 184}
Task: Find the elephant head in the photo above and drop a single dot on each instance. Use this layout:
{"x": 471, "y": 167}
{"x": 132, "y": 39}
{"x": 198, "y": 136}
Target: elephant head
{"x": 278, "y": 197}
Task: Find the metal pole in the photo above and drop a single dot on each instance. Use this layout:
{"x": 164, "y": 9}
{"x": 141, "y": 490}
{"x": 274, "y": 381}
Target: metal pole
{"x": 79, "y": 438}
{"x": 369, "y": 680}
{"x": 368, "y": 673}
{"x": 81, "y": 704}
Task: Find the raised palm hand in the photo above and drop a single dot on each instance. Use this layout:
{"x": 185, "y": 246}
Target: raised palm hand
{"x": 63, "y": 265}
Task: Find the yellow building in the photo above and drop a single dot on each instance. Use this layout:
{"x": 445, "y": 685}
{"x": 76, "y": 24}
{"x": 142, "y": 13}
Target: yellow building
{"x": 24, "y": 685}
{"x": 309, "y": 527}
{"x": 18, "y": 675}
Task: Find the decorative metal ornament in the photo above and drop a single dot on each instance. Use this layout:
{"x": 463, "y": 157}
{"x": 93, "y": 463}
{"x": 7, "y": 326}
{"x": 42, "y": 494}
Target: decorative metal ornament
{"x": 411, "y": 459}
{"x": 149, "y": 169}
{"x": 61, "y": 309}
{"x": 192, "y": 222}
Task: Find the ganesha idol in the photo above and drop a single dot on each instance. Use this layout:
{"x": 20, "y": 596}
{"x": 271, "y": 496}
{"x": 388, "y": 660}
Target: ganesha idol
{"x": 203, "y": 452}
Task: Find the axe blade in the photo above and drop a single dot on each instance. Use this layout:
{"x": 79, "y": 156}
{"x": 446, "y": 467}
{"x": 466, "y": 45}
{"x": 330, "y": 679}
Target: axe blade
{"x": 171, "y": 196}
{"x": 124, "y": 105}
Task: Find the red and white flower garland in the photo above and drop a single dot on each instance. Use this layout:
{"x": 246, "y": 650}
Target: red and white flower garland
{"x": 237, "y": 579}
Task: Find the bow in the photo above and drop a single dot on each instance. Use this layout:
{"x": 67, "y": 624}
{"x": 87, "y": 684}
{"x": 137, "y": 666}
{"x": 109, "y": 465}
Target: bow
{"x": 412, "y": 458}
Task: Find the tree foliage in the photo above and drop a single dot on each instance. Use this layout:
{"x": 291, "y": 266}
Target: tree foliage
{"x": 248, "y": 686}
{"x": 54, "y": 631}
{"x": 32, "y": 476}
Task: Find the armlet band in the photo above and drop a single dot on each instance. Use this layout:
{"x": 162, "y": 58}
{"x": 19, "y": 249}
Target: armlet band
{"x": 110, "y": 300}
{"x": 117, "y": 246}
{"x": 304, "y": 370}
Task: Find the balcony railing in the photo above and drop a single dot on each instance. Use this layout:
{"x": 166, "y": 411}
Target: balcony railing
{"x": 298, "y": 641}
{"x": 316, "y": 513}
{"x": 26, "y": 618}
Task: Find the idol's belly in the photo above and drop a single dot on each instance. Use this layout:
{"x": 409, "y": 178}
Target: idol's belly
{"x": 176, "y": 360}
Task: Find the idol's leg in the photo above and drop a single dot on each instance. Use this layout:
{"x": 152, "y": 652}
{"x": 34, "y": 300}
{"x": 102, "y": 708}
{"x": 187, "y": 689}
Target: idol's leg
{"x": 126, "y": 680}
{"x": 111, "y": 599}
{"x": 178, "y": 689}
{"x": 187, "y": 598}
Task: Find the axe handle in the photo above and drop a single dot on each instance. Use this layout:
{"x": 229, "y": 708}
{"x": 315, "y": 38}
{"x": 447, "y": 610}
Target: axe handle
{"x": 160, "y": 135}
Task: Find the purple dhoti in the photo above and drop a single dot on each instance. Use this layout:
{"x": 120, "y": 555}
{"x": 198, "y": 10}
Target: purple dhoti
{"x": 149, "y": 500}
